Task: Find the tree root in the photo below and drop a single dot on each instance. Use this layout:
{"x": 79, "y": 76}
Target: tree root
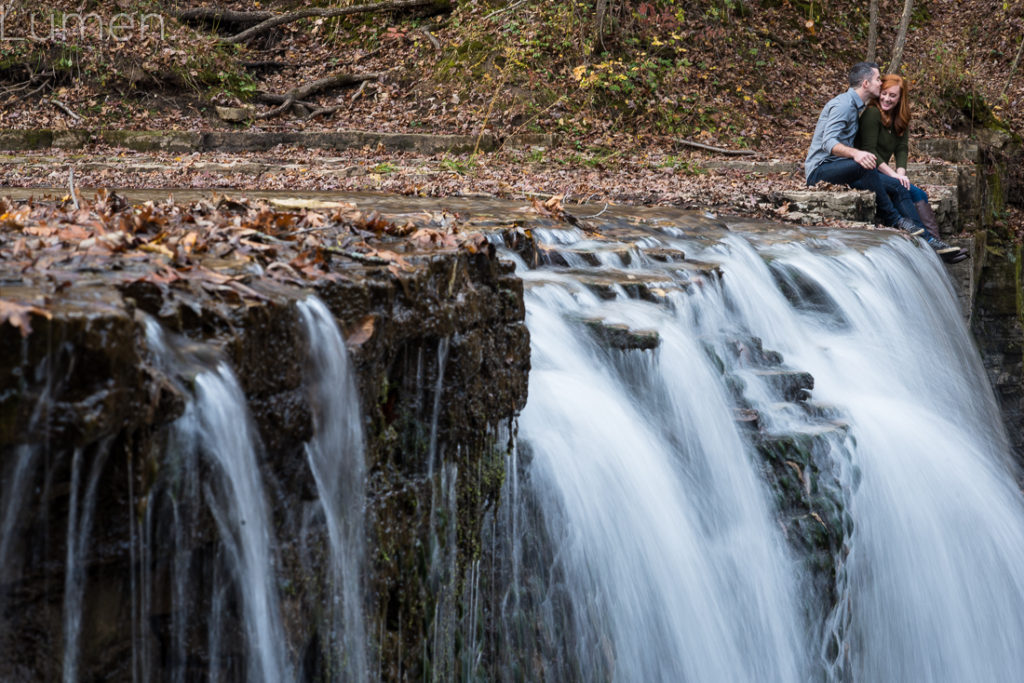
{"x": 297, "y": 96}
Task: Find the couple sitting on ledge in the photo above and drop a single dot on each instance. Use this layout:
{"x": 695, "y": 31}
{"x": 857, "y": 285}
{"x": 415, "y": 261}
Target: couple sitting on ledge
{"x": 857, "y": 135}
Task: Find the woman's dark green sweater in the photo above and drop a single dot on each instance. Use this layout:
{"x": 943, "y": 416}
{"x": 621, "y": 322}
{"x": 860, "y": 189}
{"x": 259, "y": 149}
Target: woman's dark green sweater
{"x": 882, "y": 141}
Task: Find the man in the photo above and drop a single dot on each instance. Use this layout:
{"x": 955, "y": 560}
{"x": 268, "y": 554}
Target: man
{"x": 832, "y": 158}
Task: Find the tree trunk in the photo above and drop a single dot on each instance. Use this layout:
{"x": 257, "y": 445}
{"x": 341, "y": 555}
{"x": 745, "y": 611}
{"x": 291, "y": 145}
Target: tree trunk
{"x": 872, "y": 31}
{"x": 599, "y": 15}
{"x": 1013, "y": 69}
{"x": 901, "y": 39}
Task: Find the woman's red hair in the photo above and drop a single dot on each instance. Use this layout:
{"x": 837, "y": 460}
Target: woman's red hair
{"x": 898, "y": 119}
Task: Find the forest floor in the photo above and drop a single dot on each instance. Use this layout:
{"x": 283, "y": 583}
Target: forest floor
{"x": 739, "y": 75}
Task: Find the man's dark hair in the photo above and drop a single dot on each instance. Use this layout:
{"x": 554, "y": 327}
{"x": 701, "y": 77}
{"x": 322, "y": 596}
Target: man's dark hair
{"x": 860, "y": 72}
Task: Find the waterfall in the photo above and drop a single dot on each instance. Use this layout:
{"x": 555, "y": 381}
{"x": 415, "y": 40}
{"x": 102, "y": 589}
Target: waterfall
{"x": 238, "y": 504}
{"x": 215, "y": 435}
{"x": 673, "y": 566}
{"x": 664, "y": 558}
{"x": 80, "y": 514}
{"x": 336, "y": 457}
{"x": 933, "y": 587}
{"x": 776, "y": 458}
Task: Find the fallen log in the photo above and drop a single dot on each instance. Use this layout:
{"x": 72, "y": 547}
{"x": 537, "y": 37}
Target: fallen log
{"x": 327, "y": 13}
{"x": 219, "y": 16}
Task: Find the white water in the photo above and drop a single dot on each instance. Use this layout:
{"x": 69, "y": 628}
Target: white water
{"x": 673, "y": 565}
{"x": 80, "y": 514}
{"x": 214, "y": 429}
{"x": 933, "y": 588}
{"x": 675, "y": 568}
{"x": 237, "y": 501}
{"x": 336, "y": 457}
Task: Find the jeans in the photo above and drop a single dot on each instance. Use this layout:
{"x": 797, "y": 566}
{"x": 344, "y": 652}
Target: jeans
{"x": 892, "y": 201}
{"x": 917, "y": 194}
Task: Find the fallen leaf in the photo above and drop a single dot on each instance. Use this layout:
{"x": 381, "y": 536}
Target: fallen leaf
{"x": 19, "y": 315}
{"x": 360, "y": 333}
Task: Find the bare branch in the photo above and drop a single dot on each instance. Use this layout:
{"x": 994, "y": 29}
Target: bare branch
{"x": 218, "y": 16}
{"x": 1013, "y": 69}
{"x": 433, "y": 41}
{"x": 71, "y": 188}
{"x": 509, "y": 8}
{"x": 64, "y": 108}
{"x": 720, "y": 150}
{"x": 29, "y": 94}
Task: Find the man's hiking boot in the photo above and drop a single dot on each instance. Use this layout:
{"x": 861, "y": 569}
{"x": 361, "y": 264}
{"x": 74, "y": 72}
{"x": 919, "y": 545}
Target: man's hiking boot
{"x": 956, "y": 256}
{"x": 948, "y": 252}
{"x": 910, "y": 226}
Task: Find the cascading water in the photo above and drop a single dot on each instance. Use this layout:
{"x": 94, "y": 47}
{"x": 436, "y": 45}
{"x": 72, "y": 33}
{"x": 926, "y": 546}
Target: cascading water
{"x": 237, "y": 501}
{"x": 662, "y": 545}
{"x": 215, "y": 427}
{"x": 80, "y": 513}
{"x": 933, "y": 588}
{"x": 336, "y": 458}
{"x": 673, "y": 566}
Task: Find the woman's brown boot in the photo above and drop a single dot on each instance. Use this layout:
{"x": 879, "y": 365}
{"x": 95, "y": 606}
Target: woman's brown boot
{"x": 924, "y": 210}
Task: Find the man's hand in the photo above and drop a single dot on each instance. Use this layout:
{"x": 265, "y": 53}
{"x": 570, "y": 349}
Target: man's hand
{"x": 865, "y": 159}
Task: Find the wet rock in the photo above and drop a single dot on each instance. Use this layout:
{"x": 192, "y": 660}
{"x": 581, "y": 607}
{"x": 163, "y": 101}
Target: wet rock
{"x": 792, "y": 385}
{"x": 634, "y": 284}
{"x": 441, "y": 376}
{"x": 622, "y": 337}
{"x": 810, "y": 502}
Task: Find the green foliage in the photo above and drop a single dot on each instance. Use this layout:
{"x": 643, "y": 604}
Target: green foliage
{"x": 384, "y": 168}
{"x": 682, "y": 166}
{"x": 459, "y": 166}
{"x": 216, "y": 73}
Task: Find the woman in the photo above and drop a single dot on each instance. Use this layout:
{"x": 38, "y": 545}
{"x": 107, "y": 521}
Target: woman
{"x": 885, "y": 132}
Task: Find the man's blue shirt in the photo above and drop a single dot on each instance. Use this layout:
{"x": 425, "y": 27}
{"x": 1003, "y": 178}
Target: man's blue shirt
{"x": 837, "y": 124}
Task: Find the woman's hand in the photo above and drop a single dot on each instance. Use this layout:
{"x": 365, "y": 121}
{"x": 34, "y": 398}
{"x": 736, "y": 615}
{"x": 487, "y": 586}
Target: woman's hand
{"x": 901, "y": 175}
